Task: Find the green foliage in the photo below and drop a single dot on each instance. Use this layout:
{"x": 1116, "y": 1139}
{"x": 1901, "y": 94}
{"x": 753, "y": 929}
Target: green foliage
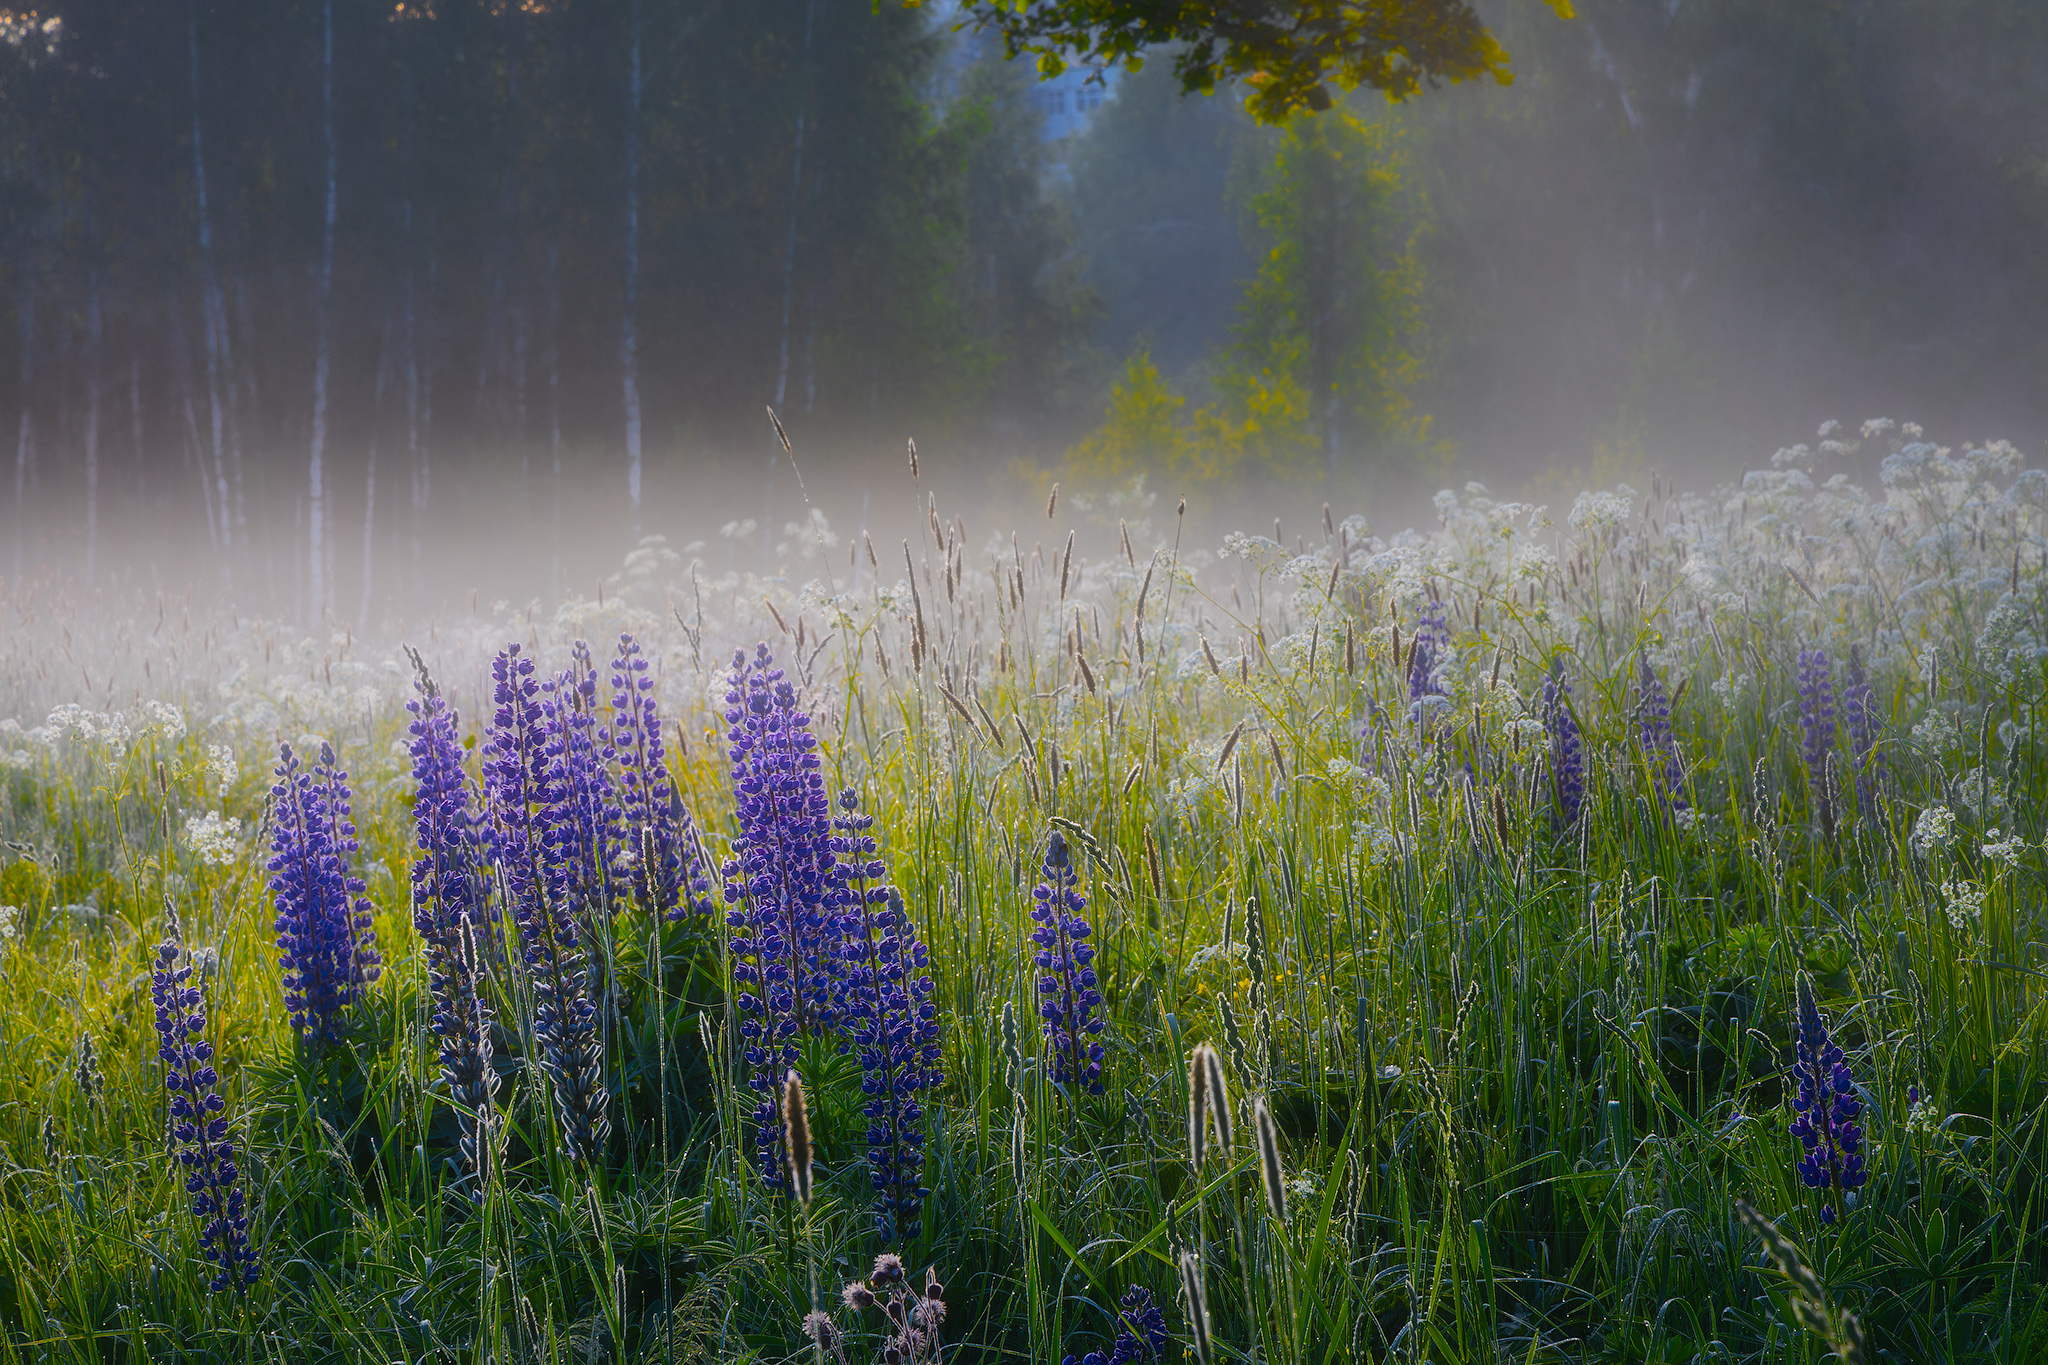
{"x": 1289, "y": 54}
{"x": 1328, "y": 347}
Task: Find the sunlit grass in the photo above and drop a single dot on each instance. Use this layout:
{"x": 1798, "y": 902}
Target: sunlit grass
{"x": 1520, "y": 1073}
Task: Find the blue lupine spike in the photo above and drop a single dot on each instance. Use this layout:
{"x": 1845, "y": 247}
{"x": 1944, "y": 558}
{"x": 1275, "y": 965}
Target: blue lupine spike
{"x": 1816, "y": 721}
{"x": 326, "y": 946}
{"x": 658, "y": 854}
{"x": 1140, "y": 1333}
{"x": 1068, "y": 1001}
{"x": 1826, "y": 1110}
{"x": 202, "y": 1141}
{"x": 782, "y": 888}
{"x": 1567, "y": 753}
{"x": 529, "y": 801}
{"x": 583, "y": 829}
{"x": 1859, "y": 713}
{"x": 451, "y": 910}
{"x": 1426, "y": 655}
{"x": 888, "y": 1008}
{"x": 1660, "y": 746}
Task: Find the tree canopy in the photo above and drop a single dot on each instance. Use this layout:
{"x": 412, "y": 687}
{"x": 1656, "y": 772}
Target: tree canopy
{"x": 1289, "y": 52}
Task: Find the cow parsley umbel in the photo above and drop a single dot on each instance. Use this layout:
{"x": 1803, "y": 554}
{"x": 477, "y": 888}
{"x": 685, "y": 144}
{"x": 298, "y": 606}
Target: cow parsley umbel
{"x": 200, "y": 1138}
{"x": 1826, "y": 1111}
{"x": 324, "y": 939}
{"x": 1068, "y": 1001}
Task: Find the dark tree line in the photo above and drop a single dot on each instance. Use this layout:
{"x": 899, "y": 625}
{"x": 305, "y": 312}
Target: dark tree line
{"x": 303, "y": 271}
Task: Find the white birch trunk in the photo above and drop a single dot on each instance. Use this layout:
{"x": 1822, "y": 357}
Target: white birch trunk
{"x": 316, "y": 497}
{"x": 629, "y": 340}
{"x": 796, "y": 185}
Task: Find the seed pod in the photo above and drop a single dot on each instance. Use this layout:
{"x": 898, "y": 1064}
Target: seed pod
{"x": 796, "y": 1137}
{"x": 1198, "y": 1306}
{"x": 1269, "y": 1159}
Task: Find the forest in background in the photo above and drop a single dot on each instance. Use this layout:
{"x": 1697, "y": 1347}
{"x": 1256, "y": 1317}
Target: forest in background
{"x": 308, "y": 282}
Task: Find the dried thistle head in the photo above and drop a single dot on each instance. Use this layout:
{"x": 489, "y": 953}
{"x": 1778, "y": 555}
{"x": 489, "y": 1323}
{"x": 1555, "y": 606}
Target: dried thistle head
{"x": 796, "y": 1137}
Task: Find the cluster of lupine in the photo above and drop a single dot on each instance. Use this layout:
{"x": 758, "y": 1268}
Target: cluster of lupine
{"x": 204, "y": 1147}
{"x": 1426, "y": 659}
{"x": 1660, "y": 747}
{"x": 1140, "y": 1333}
{"x": 1567, "y": 752}
{"x": 1826, "y": 1110}
{"x": 531, "y": 801}
{"x": 888, "y": 1011}
{"x": 324, "y": 939}
{"x": 819, "y": 943}
{"x": 453, "y": 914}
{"x": 1068, "y": 1002}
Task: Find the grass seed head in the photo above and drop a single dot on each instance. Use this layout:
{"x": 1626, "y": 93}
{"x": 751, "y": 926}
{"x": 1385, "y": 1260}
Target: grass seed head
{"x": 796, "y": 1137}
{"x": 1269, "y": 1159}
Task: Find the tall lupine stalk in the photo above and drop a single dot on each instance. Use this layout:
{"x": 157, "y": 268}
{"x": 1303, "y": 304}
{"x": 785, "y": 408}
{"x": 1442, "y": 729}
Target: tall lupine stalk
{"x": 1068, "y": 1002}
{"x": 1817, "y": 728}
{"x": 200, "y": 1138}
{"x": 526, "y": 801}
{"x": 325, "y": 942}
{"x": 1426, "y": 654}
{"x": 782, "y": 887}
{"x": 1859, "y": 714}
{"x": 1826, "y": 1111}
{"x": 452, "y": 911}
{"x": 658, "y": 854}
{"x": 1567, "y": 753}
{"x": 1660, "y": 747}
{"x": 888, "y": 1008}
{"x": 583, "y": 827}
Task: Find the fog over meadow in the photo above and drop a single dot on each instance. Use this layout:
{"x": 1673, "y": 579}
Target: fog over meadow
{"x": 368, "y": 312}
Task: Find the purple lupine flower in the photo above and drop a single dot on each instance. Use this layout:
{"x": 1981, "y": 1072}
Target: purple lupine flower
{"x": 325, "y": 943}
{"x": 451, "y": 911}
{"x": 782, "y": 887}
{"x": 1660, "y": 746}
{"x": 1859, "y": 713}
{"x": 583, "y": 825}
{"x": 201, "y": 1140}
{"x": 1817, "y": 722}
{"x": 658, "y": 853}
{"x": 524, "y": 786}
{"x": 888, "y": 1009}
{"x": 1068, "y": 1001}
{"x": 1827, "y": 1109}
{"x": 1567, "y": 754}
{"x": 1140, "y": 1333}
{"x": 1425, "y": 656}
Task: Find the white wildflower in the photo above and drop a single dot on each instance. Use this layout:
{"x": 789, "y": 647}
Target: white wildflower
{"x": 212, "y": 838}
{"x": 1600, "y": 511}
{"x": 222, "y": 767}
{"x": 10, "y": 921}
{"x": 2006, "y": 850}
{"x": 164, "y": 719}
{"x": 1934, "y": 830}
{"x": 1965, "y": 903}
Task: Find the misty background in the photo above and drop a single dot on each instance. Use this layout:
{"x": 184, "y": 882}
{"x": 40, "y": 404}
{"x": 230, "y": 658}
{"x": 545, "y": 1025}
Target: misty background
{"x": 352, "y": 308}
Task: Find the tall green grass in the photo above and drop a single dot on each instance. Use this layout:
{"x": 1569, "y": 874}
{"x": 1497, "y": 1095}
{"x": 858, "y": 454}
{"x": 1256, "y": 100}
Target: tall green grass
{"x": 1520, "y": 1073}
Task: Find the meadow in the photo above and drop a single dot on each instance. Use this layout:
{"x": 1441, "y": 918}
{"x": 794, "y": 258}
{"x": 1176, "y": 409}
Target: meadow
{"x": 1603, "y": 933}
